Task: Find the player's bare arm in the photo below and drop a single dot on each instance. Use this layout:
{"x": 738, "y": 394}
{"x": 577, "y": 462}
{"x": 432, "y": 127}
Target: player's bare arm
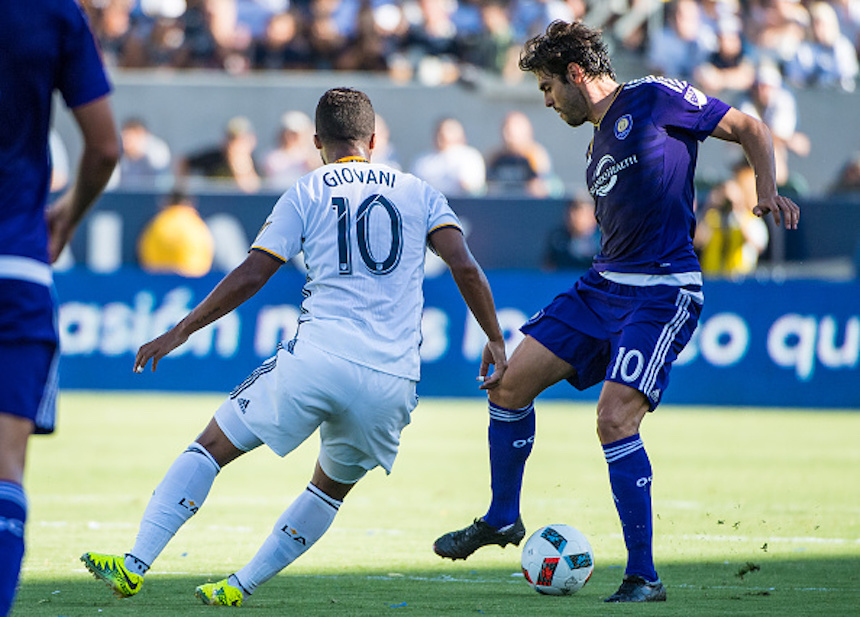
{"x": 449, "y": 243}
{"x": 757, "y": 142}
{"x": 234, "y": 289}
{"x": 100, "y": 156}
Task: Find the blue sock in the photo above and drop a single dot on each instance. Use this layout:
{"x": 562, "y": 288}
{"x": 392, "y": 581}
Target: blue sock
{"x": 511, "y": 435}
{"x": 630, "y": 479}
{"x": 13, "y": 515}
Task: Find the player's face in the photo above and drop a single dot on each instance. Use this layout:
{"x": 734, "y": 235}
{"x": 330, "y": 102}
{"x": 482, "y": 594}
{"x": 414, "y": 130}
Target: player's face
{"x": 565, "y": 98}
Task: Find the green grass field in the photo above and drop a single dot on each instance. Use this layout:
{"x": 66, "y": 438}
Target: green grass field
{"x": 756, "y": 513}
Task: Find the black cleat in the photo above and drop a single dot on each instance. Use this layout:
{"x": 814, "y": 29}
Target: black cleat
{"x": 637, "y": 589}
{"x": 463, "y": 542}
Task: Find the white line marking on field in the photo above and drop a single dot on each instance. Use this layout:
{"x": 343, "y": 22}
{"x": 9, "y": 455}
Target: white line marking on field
{"x": 764, "y": 538}
{"x": 701, "y": 537}
{"x": 745, "y": 588}
{"x": 514, "y": 579}
{"x": 444, "y": 578}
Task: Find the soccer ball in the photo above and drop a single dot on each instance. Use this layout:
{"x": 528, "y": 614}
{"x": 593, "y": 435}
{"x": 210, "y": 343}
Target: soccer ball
{"x": 557, "y": 560}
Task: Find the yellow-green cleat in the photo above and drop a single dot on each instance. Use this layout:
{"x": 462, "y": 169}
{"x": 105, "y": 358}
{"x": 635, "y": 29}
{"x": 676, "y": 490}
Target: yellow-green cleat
{"x": 111, "y": 569}
{"x": 221, "y": 593}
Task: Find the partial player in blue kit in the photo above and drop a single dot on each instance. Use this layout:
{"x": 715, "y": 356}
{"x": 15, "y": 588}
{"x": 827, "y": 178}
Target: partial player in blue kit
{"x": 45, "y": 46}
{"x": 627, "y": 319}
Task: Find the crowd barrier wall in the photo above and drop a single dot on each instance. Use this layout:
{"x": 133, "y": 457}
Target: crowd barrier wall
{"x": 794, "y": 344}
{"x": 502, "y": 233}
{"x": 189, "y": 109}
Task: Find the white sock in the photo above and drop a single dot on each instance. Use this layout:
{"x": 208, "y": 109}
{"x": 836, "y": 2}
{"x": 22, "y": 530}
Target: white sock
{"x": 297, "y": 529}
{"x": 133, "y": 564}
{"x": 180, "y": 494}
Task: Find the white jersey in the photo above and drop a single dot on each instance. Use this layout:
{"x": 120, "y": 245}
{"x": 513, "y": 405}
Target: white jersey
{"x": 363, "y": 228}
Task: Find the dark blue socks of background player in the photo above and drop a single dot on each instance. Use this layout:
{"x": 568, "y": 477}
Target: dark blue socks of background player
{"x": 13, "y": 515}
{"x": 630, "y": 479}
{"x": 511, "y": 435}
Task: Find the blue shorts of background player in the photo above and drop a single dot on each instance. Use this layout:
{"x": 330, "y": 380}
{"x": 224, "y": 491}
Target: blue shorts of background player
{"x": 28, "y": 353}
{"x": 28, "y": 382}
{"x": 622, "y": 333}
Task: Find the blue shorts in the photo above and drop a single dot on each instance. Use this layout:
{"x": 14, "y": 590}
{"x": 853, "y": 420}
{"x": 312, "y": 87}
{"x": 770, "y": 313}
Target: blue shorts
{"x": 27, "y": 312}
{"x": 621, "y": 333}
{"x": 28, "y": 382}
{"x": 28, "y": 352}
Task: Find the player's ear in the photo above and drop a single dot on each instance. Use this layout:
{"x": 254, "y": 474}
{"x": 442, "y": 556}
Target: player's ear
{"x": 371, "y": 144}
{"x": 317, "y": 142}
{"x": 575, "y": 74}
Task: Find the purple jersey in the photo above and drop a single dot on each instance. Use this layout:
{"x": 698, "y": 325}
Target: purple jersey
{"x": 45, "y": 45}
{"x": 641, "y": 164}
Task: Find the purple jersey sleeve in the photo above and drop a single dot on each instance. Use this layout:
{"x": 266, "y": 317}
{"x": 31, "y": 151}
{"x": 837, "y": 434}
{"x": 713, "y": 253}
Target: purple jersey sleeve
{"x": 687, "y": 108}
{"x": 82, "y": 78}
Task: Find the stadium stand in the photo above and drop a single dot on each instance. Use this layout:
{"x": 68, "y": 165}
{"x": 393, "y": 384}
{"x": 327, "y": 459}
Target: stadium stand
{"x": 426, "y": 59}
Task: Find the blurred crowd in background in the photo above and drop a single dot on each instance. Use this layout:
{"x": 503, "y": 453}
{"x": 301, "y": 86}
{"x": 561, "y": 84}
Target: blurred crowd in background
{"x": 754, "y": 53}
{"x": 813, "y": 43}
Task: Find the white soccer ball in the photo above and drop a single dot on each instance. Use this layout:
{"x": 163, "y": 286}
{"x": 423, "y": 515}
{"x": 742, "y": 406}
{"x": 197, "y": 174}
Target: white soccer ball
{"x": 557, "y": 560}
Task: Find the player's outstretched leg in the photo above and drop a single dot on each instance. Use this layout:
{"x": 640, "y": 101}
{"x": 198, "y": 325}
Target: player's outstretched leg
{"x": 510, "y": 436}
{"x": 111, "y": 569}
{"x": 175, "y": 500}
{"x": 297, "y": 529}
{"x": 630, "y": 477}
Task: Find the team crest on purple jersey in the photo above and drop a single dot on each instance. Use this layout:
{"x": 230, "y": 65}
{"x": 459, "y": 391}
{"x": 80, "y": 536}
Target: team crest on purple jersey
{"x": 623, "y": 126}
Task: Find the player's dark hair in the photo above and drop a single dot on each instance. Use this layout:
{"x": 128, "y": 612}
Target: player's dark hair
{"x": 562, "y": 43}
{"x": 345, "y": 114}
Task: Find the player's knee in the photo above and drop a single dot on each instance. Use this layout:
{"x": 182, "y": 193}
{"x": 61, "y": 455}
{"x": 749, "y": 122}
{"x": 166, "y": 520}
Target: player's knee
{"x": 507, "y": 397}
{"x": 14, "y": 435}
{"x": 335, "y": 479}
{"x": 613, "y": 424}
{"x": 218, "y": 445}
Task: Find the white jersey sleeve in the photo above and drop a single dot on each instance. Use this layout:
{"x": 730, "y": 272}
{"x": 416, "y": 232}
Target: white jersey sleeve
{"x": 281, "y": 234}
{"x": 363, "y": 229}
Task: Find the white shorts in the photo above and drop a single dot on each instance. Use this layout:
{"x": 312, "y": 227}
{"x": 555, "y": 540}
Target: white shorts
{"x": 360, "y": 411}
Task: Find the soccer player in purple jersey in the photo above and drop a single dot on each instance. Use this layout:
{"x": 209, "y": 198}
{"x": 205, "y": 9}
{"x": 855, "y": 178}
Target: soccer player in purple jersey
{"x": 45, "y": 46}
{"x": 627, "y": 319}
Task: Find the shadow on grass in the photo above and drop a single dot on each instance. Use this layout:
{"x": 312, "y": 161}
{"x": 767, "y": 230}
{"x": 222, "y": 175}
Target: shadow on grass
{"x": 803, "y": 586}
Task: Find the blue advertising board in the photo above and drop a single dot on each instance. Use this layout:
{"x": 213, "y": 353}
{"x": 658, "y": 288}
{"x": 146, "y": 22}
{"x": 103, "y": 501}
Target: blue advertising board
{"x": 794, "y": 344}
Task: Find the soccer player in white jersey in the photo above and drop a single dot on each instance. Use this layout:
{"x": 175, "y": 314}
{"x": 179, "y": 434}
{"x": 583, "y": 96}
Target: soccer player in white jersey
{"x": 351, "y": 369}
{"x": 627, "y": 319}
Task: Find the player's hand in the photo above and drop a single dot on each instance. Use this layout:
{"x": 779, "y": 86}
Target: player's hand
{"x": 156, "y": 349}
{"x": 60, "y": 226}
{"x": 494, "y": 353}
{"x": 782, "y": 208}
